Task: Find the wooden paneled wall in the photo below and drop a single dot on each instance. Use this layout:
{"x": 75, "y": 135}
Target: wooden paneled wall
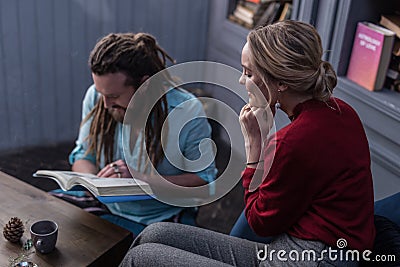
{"x": 44, "y": 46}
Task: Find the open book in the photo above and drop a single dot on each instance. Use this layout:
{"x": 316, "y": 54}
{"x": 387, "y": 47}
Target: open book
{"x": 98, "y": 186}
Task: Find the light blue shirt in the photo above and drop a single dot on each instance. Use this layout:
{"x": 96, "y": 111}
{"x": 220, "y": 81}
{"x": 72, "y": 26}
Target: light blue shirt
{"x": 149, "y": 211}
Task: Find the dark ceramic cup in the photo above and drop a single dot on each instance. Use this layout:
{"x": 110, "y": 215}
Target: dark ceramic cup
{"x": 44, "y": 235}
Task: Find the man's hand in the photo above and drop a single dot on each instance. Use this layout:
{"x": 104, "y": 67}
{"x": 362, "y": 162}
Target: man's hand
{"x": 85, "y": 166}
{"x": 116, "y": 169}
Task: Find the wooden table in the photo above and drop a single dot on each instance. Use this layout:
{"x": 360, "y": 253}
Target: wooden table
{"x": 83, "y": 238}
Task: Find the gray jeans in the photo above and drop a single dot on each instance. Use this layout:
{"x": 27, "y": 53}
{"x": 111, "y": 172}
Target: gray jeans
{"x": 171, "y": 244}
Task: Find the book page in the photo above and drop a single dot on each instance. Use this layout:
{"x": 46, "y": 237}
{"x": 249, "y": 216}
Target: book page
{"x": 99, "y": 186}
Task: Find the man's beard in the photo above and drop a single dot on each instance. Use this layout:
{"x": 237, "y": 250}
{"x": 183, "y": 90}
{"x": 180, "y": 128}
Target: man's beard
{"x": 116, "y": 113}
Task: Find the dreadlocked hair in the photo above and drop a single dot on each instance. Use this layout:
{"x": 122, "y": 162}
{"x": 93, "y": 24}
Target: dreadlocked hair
{"x": 135, "y": 55}
{"x": 102, "y": 127}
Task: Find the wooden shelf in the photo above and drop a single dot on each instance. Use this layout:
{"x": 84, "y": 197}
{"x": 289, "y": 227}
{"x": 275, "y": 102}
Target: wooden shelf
{"x": 385, "y": 101}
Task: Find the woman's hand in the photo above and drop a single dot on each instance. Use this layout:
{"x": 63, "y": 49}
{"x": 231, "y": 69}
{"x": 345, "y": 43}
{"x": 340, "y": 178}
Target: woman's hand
{"x": 116, "y": 169}
{"x": 255, "y": 124}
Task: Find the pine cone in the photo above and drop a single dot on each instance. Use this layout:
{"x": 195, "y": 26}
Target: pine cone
{"x": 13, "y": 230}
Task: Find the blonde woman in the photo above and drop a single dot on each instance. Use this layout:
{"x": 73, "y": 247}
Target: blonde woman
{"x": 315, "y": 199}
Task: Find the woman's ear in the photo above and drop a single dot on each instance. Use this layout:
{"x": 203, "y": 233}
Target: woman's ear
{"x": 282, "y": 87}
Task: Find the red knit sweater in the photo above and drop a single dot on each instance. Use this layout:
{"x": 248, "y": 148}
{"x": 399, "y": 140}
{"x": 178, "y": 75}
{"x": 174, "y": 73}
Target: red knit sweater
{"x": 319, "y": 184}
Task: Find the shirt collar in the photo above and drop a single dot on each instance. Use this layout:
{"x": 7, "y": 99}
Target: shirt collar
{"x": 308, "y": 104}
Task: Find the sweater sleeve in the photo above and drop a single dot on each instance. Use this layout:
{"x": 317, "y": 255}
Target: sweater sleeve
{"x": 283, "y": 195}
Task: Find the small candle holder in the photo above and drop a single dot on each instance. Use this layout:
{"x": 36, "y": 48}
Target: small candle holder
{"x": 25, "y": 264}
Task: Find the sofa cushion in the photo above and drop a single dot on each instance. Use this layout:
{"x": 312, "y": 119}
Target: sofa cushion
{"x": 387, "y": 242}
{"x": 389, "y": 207}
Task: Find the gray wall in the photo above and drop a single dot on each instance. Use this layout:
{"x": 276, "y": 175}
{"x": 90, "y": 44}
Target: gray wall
{"x": 44, "y": 46}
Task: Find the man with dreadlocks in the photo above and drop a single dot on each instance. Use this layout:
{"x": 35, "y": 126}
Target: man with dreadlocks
{"x": 120, "y": 64}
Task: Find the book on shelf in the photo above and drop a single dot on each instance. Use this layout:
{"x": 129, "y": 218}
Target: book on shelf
{"x": 244, "y": 15}
{"x": 271, "y": 13}
{"x": 370, "y": 56}
{"x": 236, "y": 20}
{"x": 249, "y": 4}
{"x": 393, "y": 84}
{"x": 392, "y": 22}
{"x": 246, "y": 10}
{"x": 259, "y": 11}
{"x": 396, "y": 47}
{"x": 253, "y": 14}
{"x": 286, "y": 11}
{"x": 392, "y": 81}
{"x": 393, "y": 74}
{"x": 98, "y": 186}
